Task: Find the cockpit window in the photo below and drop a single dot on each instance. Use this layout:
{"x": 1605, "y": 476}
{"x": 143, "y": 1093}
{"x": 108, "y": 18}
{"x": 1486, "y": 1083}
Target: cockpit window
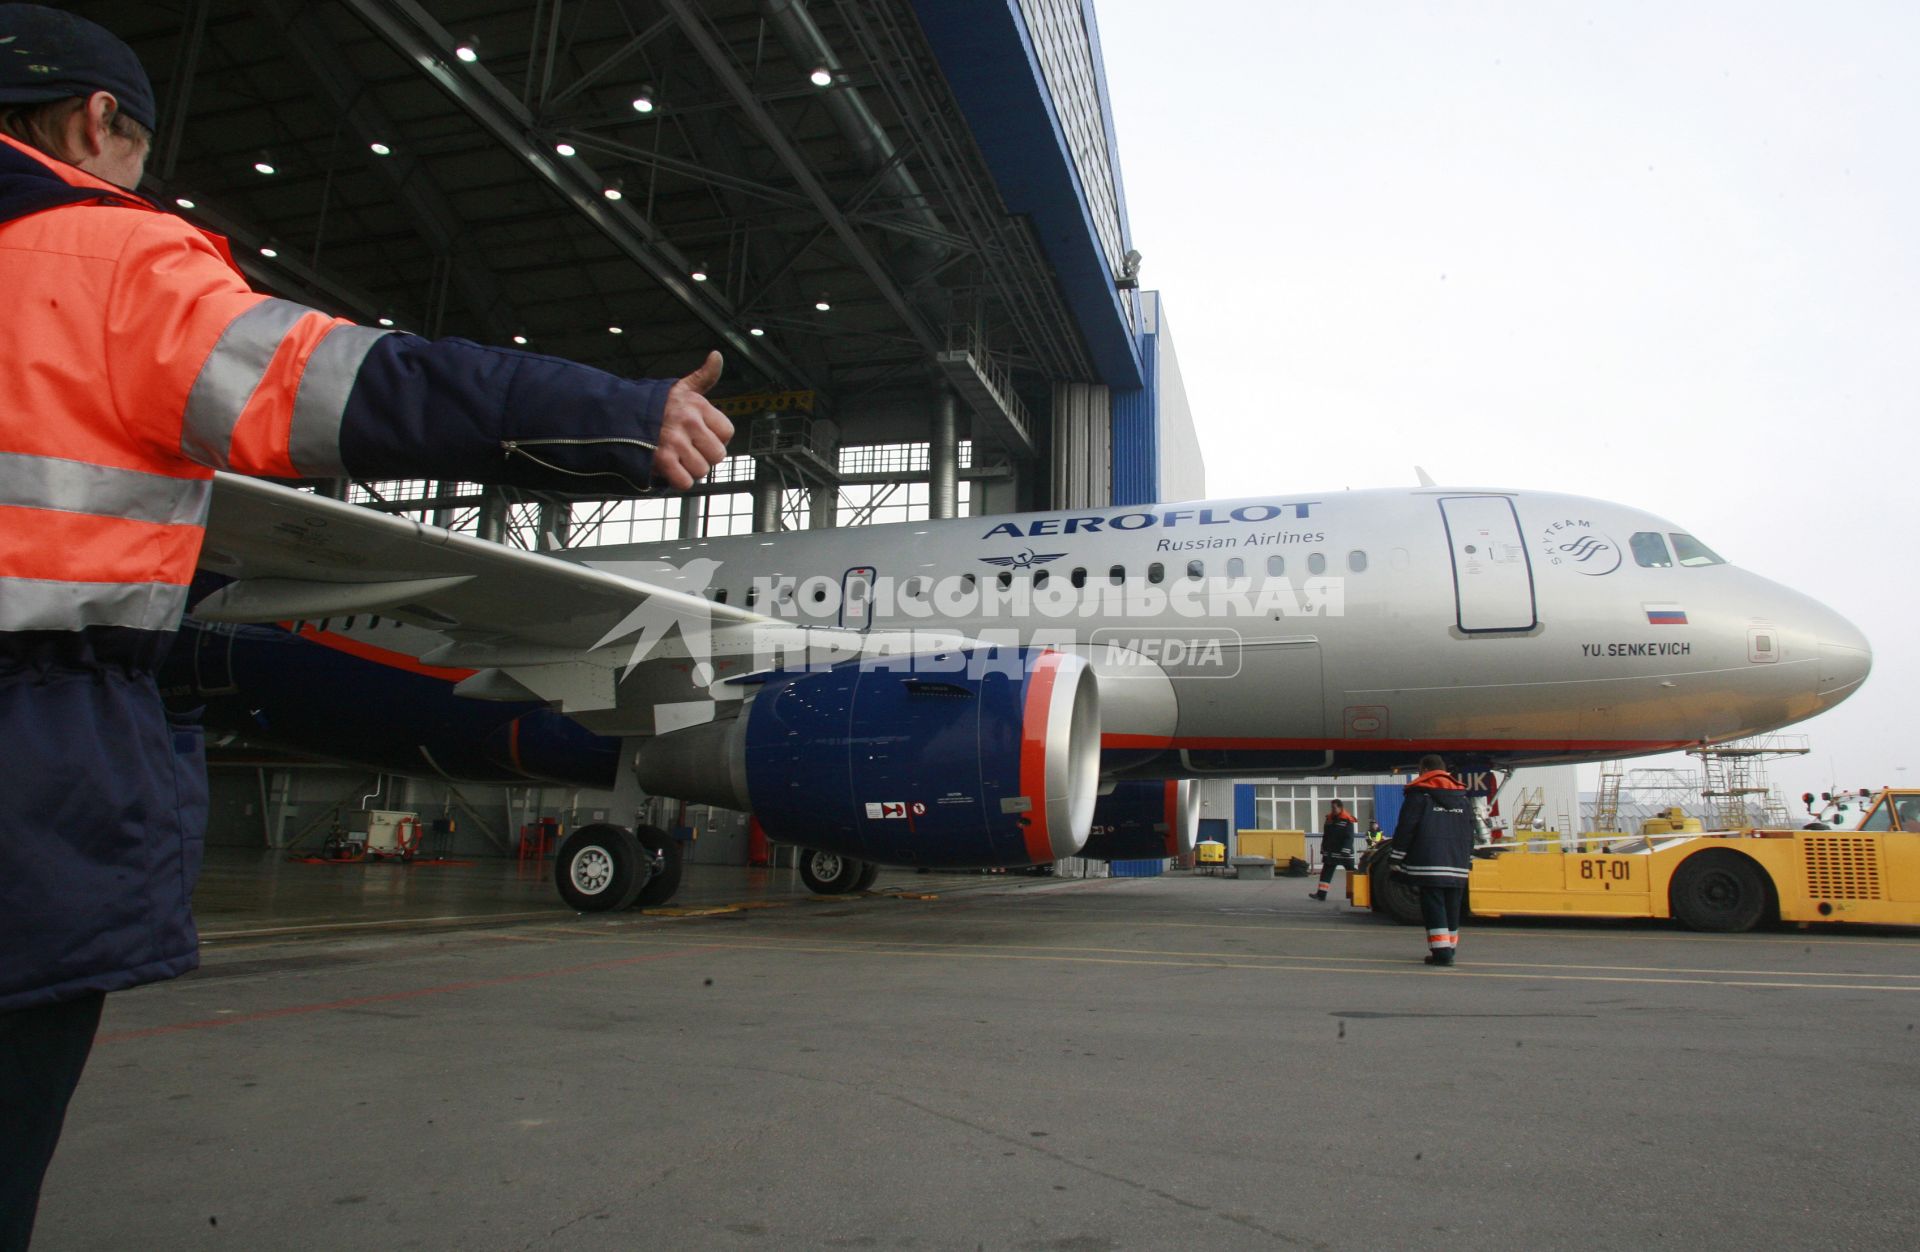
{"x": 1691, "y": 551}
{"x": 1650, "y": 550}
{"x": 1880, "y": 819}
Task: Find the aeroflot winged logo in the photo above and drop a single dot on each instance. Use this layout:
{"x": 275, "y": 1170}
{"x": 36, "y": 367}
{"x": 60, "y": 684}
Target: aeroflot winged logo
{"x": 1027, "y": 559}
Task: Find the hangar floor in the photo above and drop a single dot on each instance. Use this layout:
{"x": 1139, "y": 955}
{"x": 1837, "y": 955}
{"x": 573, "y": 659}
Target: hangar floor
{"x": 1021, "y": 1063}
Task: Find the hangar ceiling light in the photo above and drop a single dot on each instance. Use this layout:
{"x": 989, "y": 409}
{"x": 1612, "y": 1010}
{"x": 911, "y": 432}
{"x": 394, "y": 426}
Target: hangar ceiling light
{"x": 643, "y": 101}
{"x": 380, "y": 149}
{"x": 821, "y": 77}
{"x": 468, "y": 49}
{"x": 566, "y": 149}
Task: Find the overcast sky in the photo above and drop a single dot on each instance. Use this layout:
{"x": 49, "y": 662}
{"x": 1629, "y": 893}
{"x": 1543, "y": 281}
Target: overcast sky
{"x": 1666, "y": 254}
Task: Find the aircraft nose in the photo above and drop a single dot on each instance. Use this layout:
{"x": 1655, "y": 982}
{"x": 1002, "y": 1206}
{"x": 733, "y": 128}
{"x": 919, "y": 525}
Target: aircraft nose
{"x": 1845, "y": 659}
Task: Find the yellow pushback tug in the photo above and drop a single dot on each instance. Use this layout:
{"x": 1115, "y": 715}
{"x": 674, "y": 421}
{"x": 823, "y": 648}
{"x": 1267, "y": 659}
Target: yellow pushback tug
{"x": 1709, "y": 880}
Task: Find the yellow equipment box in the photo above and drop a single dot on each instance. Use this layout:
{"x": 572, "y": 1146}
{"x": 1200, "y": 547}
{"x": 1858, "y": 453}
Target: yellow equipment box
{"x": 1278, "y": 844}
{"x": 1209, "y": 852}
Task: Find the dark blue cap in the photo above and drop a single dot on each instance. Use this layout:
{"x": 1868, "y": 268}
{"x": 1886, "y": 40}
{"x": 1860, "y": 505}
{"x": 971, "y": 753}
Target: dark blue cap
{"x": 49, "y": 55}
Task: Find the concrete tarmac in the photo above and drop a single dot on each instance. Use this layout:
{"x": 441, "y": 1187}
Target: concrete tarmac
{"x": 1013, "y": 1063}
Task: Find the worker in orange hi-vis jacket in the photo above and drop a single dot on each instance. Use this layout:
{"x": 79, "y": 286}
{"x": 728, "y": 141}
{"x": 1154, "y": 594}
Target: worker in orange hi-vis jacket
{"x": 134, "y": 362}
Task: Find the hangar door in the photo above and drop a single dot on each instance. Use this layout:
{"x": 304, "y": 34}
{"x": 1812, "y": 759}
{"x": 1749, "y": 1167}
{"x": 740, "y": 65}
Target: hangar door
{"x": 1492, "y": 575}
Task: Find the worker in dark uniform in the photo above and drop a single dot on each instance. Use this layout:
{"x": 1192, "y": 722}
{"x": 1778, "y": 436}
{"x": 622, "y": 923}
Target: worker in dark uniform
{"x": 135, "y": 361}
{"x": 1433, "y": 848}
{"x": 1336, "y": 847}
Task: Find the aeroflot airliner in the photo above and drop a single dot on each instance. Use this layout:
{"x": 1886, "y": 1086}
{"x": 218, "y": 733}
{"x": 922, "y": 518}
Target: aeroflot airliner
{"x": 996, "y": 691}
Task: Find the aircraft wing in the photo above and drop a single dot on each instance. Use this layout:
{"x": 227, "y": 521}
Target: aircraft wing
{"x": 530, "y": 624}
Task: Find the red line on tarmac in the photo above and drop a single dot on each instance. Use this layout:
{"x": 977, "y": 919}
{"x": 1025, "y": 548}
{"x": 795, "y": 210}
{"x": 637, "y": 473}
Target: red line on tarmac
{"x": 297, "y": 1010}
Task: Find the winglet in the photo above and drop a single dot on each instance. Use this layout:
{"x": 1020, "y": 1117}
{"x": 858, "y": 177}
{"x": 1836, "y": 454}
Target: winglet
{"x": 1426, "y": 479}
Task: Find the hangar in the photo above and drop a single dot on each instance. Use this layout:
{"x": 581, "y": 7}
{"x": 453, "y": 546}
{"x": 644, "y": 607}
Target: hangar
{"x": 902, "y": 221}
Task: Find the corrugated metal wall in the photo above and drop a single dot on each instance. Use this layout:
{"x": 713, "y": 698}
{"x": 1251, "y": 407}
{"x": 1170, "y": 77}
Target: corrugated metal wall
{"x": 1082, "y": 446}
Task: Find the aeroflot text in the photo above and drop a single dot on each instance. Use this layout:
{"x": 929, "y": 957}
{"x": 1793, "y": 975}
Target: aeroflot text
{"x": 965, "y": 597}
{"x": 1296, "y": 509}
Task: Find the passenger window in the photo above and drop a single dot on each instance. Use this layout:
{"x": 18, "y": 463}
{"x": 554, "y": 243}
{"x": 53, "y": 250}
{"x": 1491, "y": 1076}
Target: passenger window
{"x": 1650, "y": 550}
{"x": 1316, "y": 563}
{"x": 1005, "y": 579}
{"x": 1276, "y": 566}
{"x": 1079, "y": 576}
{"x": 753, "y": 595}
{"x": 968, "y": 581}
{"x": 720, "y": 596}
{"x": 1357, "y": 561}
{"x": 1690, "y": 551}
{"x": 819, "y": 595}
{"x": 1117, "y": 575}
{"x": 1040, "y": 577}
{"x": 1196, "y": 569}
{"x": 1236, "y": 568}
{"x": 348, "y": 624}
{"x": 1156, "y": 572}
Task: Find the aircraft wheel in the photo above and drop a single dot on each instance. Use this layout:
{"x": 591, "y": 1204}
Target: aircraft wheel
{"x": 1718, "y": 891}
{"x": 829, "y": 873}
{"x": 1395, "y": 897}
{"x": 600, "y": 868}
{"x": 867, "y": 875}
{"x": 670, "y": 866}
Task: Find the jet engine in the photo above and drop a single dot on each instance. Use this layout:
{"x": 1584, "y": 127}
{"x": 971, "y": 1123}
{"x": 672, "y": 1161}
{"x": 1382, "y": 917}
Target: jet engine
{"x": 1138, "y": 821}
{"x": 973, "y": 758}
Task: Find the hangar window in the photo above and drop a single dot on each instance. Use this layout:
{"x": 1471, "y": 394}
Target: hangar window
{"x": 1196, "y": 569}
{"x": 1316, "y": 563}
{"x": 1236, "y": 568}
{"x": 1650, "y": 550}
{"x": 1690, "y": 551}
{"x": 1357, "y": 561}
{"x": 1040, "y": 577}
{"x": 1276, "y": 565}
{"x": 1156, "y": 573}
{"x": 1079, "y": 576}
{"x": 1117, "y": 575}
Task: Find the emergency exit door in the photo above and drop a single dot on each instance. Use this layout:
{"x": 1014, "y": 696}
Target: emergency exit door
{"x": 1492, "y": 575}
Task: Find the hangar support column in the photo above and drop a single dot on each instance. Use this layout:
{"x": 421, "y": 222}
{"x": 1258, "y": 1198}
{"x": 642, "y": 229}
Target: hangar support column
{"x": 943, "y": 458}
{"x": 766, "y": 505}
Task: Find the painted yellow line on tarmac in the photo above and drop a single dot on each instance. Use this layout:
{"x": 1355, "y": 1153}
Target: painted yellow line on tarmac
{"x": 390, "y": 923}
{"x": 1299, "y": 964}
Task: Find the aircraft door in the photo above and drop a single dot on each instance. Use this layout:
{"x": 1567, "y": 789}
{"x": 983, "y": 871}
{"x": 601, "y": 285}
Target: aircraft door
{"x": 856, "y": 597}
{"x": 1492, "y": 574}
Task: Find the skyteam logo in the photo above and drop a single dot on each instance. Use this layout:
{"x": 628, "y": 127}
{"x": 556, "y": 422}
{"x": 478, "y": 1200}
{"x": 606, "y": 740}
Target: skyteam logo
{"x": 1576, "y": 544}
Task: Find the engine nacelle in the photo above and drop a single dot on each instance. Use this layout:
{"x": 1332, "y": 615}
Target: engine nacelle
{"x": 976, "y": 758}
{"x": 1138, "y": 821}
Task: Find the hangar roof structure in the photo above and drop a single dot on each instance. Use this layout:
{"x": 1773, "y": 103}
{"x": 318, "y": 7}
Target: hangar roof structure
{"x": 873, "y": 204}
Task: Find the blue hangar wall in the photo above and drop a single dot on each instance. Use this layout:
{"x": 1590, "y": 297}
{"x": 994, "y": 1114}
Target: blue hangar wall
{"x": 1028, "y": 76}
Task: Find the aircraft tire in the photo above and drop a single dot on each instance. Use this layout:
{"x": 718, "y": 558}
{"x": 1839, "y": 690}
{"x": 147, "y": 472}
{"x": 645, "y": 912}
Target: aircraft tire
{"x": 600, "y": 868}
{"x": 867, "y": 876}
{"x": 666, "y": 881}
{"x": 1397, "y": 899}
{"x": 829, "y": 873}
{"x": 1718, "y": 891}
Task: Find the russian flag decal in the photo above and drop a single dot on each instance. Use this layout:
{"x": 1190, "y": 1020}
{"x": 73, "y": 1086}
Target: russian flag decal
{"x": 1665, "y": 615}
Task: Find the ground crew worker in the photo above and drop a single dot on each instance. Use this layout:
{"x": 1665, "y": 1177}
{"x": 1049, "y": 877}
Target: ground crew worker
{"x": 1336, "y": 847}
{"x": 135, "y": 361}
{"x": 1433, "y": 848}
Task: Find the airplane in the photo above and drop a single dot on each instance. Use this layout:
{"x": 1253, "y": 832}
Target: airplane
{"x": 999, "y": 691}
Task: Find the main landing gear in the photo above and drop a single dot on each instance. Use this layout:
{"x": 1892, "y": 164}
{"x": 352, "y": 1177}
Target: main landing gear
{"x": 830, "y": 874}
{"x": 603, "y": 868}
